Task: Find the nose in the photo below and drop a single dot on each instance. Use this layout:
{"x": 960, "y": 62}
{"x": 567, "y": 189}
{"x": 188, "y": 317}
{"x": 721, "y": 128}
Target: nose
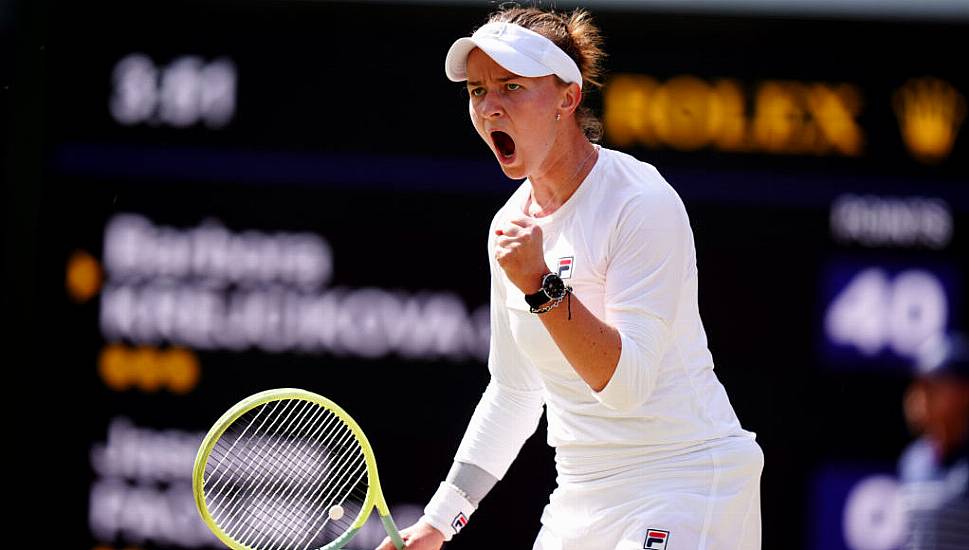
{"x": 490, "y": 106}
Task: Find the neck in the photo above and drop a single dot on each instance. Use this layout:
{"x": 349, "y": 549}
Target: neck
{"x": 567, "y": 164}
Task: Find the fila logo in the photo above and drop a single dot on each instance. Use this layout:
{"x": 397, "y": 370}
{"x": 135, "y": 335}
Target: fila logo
{"x": 459, "y": 522}
{"x": 565, "y": 267}
{"x": 656, "y": 539}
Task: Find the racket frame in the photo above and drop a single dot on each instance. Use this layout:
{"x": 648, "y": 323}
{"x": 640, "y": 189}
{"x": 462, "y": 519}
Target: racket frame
{"x": 375, "y": 496}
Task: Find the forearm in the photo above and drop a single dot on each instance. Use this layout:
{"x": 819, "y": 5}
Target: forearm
{"x": 502, "y": 421}
{"x": 591, "y": 346}
{"x": 619, "y": 360}
{"x": 471, "y": 480}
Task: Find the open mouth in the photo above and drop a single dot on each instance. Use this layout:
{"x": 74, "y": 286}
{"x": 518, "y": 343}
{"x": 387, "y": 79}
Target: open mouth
{"x": 504, "y": 144}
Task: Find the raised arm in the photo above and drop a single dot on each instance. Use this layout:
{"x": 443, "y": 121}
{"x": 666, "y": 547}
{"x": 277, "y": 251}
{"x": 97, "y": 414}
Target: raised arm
{"x": 649, "y": 250}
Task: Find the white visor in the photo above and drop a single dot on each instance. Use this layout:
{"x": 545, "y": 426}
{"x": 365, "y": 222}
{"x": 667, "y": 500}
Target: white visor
{"x": 517, "y": 49}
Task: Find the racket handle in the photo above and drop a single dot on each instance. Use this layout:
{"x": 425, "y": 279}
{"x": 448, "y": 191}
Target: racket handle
{"x": 391, "y": 529}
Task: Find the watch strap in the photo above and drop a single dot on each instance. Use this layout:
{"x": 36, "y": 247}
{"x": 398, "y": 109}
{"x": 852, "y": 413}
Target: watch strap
{"x": 536, "y": 299}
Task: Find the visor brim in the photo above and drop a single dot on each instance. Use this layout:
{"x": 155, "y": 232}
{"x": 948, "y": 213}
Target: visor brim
{"x": 456, "y": 62}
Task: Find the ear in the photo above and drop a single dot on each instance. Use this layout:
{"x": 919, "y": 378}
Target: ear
{"x": 571, "y": 99}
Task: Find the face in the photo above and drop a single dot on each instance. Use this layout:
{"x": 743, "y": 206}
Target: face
{"x": 515, "y": 115}
{"x": 942, "y": 411}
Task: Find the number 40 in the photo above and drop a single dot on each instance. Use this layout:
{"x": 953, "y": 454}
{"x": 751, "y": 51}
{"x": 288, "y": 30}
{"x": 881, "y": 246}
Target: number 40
{"x": 875, "y": 310}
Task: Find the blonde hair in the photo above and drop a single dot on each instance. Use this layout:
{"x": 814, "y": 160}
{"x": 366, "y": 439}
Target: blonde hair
{"x": 576, "y": 34}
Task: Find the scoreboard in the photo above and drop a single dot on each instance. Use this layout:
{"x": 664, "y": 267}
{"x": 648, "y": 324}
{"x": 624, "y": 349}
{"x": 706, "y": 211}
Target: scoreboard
{"x": 247, "y": 195}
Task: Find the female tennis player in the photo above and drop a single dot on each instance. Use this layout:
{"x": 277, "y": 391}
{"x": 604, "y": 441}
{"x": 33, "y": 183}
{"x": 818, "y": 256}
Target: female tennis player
{"x": 593, "y": 315}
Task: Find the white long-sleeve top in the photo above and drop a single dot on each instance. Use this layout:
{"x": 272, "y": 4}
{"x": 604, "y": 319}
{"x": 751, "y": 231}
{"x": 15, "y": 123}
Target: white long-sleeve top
{"x": 623, "y": 242}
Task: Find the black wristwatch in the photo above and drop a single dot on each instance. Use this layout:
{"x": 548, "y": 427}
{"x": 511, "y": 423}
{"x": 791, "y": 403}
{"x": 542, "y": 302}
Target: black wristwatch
{"x": 553, "y": 289}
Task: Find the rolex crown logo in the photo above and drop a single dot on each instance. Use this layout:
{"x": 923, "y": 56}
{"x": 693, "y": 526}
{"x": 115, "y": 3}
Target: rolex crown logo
{"x": 929, "y": 112}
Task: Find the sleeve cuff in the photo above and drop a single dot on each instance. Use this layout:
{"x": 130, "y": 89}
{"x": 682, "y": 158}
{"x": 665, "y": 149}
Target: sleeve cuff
{"x": 448, "y": 511}
{"x": 619, "y": 393}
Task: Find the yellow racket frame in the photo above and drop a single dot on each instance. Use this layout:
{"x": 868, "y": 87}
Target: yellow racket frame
{"x": 375, "y": 497}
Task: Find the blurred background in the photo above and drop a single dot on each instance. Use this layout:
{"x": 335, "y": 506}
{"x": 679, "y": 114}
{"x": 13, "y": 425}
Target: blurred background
{"x": 207, "y": 199}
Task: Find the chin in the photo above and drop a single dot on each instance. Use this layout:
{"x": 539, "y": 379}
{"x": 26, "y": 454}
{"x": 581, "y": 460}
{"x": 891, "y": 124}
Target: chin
{"x": 513, "y": 168}
{"x": 514, "y": 172}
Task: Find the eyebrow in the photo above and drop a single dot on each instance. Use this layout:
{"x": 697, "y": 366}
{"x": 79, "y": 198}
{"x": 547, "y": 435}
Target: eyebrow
{"x": 499, "y": 79}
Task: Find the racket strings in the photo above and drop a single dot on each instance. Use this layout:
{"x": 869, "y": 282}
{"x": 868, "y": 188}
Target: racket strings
{"x": 237, "y": 435}
{"x": 270, "y": 483}
{"x": 237, "y": 466}
{"x": 276, "y": 473}
{"x": 327, "y": 487}
{"x": 274, "y": 478}
{"x": 253, "y": 467}
{"x": 261, "y": 511}
{"x": 257, "y": 455}
{"x": 340, "y": 492}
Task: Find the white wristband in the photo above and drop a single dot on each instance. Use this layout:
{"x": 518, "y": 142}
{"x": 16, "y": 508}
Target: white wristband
{"x": 448, "y": 511}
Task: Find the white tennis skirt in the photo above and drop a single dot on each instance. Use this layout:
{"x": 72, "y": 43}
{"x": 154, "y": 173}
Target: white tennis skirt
{"x": 705, "y": 499}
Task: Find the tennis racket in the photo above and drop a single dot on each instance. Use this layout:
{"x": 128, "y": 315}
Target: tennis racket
{"x": 288, "y": 469}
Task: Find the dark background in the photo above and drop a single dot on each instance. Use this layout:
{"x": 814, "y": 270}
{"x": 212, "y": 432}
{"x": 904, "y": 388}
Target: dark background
{"x": 344, "y": 126}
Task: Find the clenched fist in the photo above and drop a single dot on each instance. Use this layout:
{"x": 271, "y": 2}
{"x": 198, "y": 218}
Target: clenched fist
{"x": 519, "y": 252}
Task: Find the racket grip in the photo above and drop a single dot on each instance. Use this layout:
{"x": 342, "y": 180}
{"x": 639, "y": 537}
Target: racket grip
{"x": 392, "y": 531}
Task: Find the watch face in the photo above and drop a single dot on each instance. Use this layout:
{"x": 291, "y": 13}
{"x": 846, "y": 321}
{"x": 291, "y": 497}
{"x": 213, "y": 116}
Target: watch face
{"x": 553, "y": 286}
